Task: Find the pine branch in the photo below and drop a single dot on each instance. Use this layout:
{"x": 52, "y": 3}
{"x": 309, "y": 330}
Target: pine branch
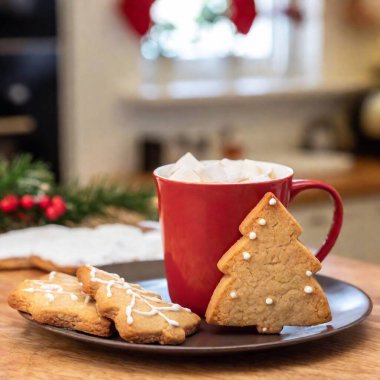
{"x": 23, "y": 176}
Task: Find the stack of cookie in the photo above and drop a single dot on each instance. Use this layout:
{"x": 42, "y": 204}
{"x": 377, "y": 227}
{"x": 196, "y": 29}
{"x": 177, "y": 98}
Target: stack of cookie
{"x": 97, "y": 302}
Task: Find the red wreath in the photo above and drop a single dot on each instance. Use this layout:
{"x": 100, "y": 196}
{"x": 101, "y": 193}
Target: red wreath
{"x": 137, "y": 14}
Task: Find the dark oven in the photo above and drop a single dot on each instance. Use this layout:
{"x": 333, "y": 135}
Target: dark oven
{"x": 28, "y": 80}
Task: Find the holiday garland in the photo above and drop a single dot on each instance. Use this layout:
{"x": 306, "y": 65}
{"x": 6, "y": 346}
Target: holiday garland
{"x": 29, "y": 196}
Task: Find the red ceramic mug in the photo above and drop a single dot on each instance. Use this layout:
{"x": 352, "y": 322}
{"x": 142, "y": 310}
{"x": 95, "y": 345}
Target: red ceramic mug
{"x": 200, "y": 222}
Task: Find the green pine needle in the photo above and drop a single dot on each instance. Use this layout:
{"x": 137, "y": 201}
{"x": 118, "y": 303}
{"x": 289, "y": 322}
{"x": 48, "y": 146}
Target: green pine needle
{"x": 22, "y": 176}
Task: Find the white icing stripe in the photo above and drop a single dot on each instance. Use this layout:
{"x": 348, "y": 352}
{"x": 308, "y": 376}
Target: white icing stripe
{"x": 109, "y": 293}
{"x": 130, "y": 308}
{"x": 49, "y": 296}
{"x": 49, "y": 289}
{"x": 136, "y": 292}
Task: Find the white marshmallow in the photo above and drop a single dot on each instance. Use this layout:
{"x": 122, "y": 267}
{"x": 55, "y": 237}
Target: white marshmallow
{"x": 185, "y": 174}
{"x": 234, "y": 171}
{"x": 265, "y": 169}
{"x": 188, "y": 161}
{"x": 262, "y": 178}
{"x": 189, "y": 169}
{"x": 251, "y": 170}
{"x": 213, "y": 173}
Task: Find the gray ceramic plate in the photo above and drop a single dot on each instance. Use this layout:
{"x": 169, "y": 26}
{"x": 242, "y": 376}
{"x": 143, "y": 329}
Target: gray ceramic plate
{"x": 349, "y": 306}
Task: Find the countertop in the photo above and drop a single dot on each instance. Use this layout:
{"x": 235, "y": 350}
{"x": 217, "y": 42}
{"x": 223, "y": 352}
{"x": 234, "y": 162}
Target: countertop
{"x": 27, "y": 352}
{"x": 362, "y": 179}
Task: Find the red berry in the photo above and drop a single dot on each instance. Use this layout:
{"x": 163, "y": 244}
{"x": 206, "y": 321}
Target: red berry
{"x": 51, "y": 213}
{"x": 57, "y": 199}
{"x": 59, "y": 204}
{"x": 27, "y": 202}
{"x": 44, "y": 201}
{"x": 9, "y": 203}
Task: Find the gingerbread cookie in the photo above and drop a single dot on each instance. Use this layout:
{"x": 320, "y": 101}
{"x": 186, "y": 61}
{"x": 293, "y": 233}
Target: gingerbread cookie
{"x": 57, "y": 299}
{"x": 140, "y": 316}
{"x": 16, "y": 263}
{"x": 268, "y": 275}
{"x": 48, "y": 266}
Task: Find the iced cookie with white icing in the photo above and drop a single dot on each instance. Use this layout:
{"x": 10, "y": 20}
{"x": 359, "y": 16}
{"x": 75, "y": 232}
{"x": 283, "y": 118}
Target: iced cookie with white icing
{"x": 140, "y": 316}
{"x": 57, "y": 299}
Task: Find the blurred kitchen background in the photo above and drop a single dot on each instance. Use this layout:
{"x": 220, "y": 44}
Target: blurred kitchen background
{"x": 119, "y": 87}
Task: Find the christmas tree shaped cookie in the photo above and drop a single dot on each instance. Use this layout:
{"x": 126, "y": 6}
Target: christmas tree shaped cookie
{"x": 268, "y": 275}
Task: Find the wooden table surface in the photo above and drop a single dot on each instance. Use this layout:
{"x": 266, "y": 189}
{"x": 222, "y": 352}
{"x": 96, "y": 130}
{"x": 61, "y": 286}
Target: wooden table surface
{"x": 26, "y": 352}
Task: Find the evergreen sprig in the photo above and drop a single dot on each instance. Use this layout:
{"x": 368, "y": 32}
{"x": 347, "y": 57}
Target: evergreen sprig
{"x": 94, "y": 198}
{"x": 24, "y": 176}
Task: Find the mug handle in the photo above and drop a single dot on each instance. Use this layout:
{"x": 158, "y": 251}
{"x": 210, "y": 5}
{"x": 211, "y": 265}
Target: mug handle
{"x": 299, "y": 185}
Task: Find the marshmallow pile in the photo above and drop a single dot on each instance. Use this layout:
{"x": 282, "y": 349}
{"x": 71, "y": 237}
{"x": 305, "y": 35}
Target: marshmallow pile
{"x": 189, "y": 169}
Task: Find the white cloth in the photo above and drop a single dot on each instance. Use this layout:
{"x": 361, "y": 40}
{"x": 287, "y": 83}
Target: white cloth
{"x": 64, "y": 246}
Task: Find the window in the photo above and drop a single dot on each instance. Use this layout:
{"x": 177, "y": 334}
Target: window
{"x": 199, "y": 30}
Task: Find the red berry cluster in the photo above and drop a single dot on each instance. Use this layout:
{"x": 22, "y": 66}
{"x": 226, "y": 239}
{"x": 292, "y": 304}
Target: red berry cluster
{"x": 52, "y": 207}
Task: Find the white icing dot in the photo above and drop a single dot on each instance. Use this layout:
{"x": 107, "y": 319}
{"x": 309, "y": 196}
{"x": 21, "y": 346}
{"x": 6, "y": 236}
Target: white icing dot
{"x": 262, "y": 222}
{"x": 74, "y": 297}
{"x": 269, "y": 301}
{"x": 308, "y": 289}
{"x": 272, "y": 201}
{"x": 264, "y": 329}
{"x": 309, "y": 273}
{"x": 252, "y": 235}
{"x": 246, "y": 255}
{"x": 233, "y": 294}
